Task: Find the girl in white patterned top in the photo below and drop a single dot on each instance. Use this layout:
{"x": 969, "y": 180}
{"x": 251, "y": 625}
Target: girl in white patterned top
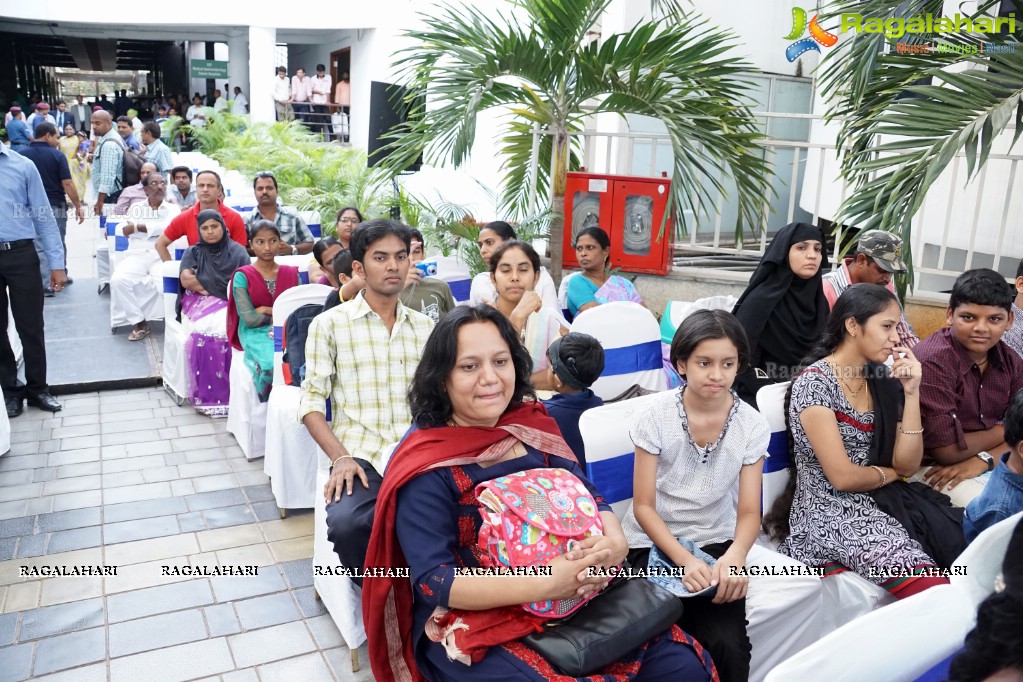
{"x": 694, "y": 448}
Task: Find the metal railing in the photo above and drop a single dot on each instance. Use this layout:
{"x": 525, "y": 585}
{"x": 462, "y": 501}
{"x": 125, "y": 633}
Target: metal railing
{"x": 988, "y": 205}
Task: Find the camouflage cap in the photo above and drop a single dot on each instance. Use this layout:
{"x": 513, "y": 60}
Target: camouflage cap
{"x": 884, "y": 247}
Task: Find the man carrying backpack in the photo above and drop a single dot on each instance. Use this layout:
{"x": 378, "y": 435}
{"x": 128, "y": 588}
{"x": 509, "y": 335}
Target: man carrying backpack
{"x": 108, "y": 161}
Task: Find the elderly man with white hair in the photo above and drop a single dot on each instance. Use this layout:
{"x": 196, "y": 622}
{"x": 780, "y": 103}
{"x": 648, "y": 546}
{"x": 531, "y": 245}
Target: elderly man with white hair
{"x": 136, "y": 291}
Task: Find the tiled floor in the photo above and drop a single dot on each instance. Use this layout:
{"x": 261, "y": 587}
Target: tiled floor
{"x": 129, "y": 479}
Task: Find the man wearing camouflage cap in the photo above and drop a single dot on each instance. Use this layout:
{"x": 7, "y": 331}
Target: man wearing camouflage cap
{"x": 877, "y": 258}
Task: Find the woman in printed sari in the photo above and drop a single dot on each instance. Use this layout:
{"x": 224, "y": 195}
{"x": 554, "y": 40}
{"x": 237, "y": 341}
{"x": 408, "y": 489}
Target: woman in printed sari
{"x": 254, "y": 290}
{"x": 515, "y": 273}
{"x": 476, "y": 419}
{"x": 69, "y": 145}
{"x": 595, "y": 285}
{"x": 206, "y": 270}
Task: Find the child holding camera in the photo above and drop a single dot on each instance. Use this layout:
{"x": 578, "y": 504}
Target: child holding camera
{"x": 423, "y": 292}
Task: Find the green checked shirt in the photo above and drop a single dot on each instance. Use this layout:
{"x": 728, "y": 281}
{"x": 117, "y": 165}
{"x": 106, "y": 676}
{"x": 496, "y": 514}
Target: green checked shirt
{"x": 293, "y": 229}
{"x": 351, "y": 359}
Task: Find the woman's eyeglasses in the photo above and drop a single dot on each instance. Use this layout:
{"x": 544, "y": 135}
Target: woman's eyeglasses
{"x": 349, "y": 220}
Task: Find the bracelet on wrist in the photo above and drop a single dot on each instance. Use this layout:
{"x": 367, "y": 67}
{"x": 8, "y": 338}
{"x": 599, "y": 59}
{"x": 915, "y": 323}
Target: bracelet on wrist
{"x": 879, "y": 470}
{"x": 911, "y": 432}
{"x": 340, "y": 458}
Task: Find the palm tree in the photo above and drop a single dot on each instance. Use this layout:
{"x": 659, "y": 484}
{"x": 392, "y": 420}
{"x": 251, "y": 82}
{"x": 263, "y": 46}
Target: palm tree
{"x": 540, "y": 63}
{"x": 927, "y": 111}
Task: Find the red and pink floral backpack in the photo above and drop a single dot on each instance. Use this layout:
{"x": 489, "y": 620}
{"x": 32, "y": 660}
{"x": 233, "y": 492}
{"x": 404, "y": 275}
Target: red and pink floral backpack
{"x": 532, "y": 516}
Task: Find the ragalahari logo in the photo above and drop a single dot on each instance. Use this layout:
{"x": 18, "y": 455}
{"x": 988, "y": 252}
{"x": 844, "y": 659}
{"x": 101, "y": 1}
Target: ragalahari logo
{"x": 817, "y": 35}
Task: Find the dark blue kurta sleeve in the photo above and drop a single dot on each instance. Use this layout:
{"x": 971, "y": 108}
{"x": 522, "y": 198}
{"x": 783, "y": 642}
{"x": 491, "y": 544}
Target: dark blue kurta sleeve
{"x": 427, "y": 525}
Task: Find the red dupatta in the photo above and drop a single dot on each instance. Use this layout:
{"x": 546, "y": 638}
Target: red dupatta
{"x": 287, "y": 277}
{"x": 387, "y": 602}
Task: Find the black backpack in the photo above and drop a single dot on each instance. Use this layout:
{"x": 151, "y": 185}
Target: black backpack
{"x": 296, "y": 329}
{"x": 131, "y": 165}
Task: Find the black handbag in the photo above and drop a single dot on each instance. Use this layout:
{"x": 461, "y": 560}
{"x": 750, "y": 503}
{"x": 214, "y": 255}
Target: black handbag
{"x": 628, "y": 613}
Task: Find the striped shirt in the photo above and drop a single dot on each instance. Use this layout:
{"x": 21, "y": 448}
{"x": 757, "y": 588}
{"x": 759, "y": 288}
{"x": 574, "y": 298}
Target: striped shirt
{"x": 365, "y": 371}
{"x": 837, "y": 281}
{"x": 106, "y": 167}
{"x": 1013, "y": 337}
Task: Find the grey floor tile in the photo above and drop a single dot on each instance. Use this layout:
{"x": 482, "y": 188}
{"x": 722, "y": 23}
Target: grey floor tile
{"x": 307, "y": 601}
{"x": 191, "y": 521}
{"x": 69, "y": 651}
{"x": 140, "y": 529}
{"x": 31, "y": 545}
{"x": 266, "y": 511}
{"x": 232, "y": 588}
{"x": 156, "y": 632}
{"x": 298, "y": 573}
{"x": 270, "y": 644}
{"x": 17, "y": 662}
{"x": 19, "y": 476}
{"x": 325, "y": 632}
{"x": 62, "y": 618}
{"x": 40, "y": 505}
{"x": 153, "y": 600}
{"x": 308, "y": 667}
{"x": 259, "y": 493}
{"x": 66, "y": 520}
{"x": 261, "y": 612}
{"x": 216, "y": 498}
{"x": 182, "y": 662}
{"x": 222, "y": 620}
{"x": 340, "y": 662}
{"x": 78, "y": 538}
{"x": 19, "y": 526}
{"x": 45, "y": 474}
{"x": 16, "y": 463}
{"x": 221, "y": 517}
{"x": 8, "y": 624}
{"x": 129, "y": 511}
{"x": 7, "y": 546}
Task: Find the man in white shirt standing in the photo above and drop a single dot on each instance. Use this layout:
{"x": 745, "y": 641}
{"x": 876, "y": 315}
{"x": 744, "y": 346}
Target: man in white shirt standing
{"x": 301, "y": 90}
{"x": 219, "y": 103}
{"x": 282, "y": 95}
{"x": 240, "y": 104}
{"x": 319, "y": 95}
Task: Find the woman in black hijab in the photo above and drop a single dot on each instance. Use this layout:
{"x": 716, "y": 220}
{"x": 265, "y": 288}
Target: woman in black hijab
{"x": 206, "y": 270}
{"x": 783, "y": 309}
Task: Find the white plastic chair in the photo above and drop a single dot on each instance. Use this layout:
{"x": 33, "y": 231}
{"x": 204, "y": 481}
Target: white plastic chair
{"x": 632, "y": 347}
{"x": 290, "y": 452}
{"x": 246, "y": 416}
{"x": 982, "y": 559}
{"x": 312, "y": 221}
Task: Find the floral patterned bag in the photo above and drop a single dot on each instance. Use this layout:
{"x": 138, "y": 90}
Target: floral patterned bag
{"x": 532, "y": 516}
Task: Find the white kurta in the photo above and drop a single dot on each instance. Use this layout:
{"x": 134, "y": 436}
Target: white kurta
{"x": 136, "y": 286}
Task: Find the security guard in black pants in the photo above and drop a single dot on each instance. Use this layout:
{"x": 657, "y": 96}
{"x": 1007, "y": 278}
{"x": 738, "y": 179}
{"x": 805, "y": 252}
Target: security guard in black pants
{"x": 25, "y": 215}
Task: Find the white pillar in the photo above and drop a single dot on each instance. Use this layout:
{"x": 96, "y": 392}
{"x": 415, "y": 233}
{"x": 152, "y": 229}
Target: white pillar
{"x": 238, "y": 62}
{"x": 262, "y": 45}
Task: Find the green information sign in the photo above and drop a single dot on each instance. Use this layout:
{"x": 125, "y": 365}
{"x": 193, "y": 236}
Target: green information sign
{"x": 208, "y": 68}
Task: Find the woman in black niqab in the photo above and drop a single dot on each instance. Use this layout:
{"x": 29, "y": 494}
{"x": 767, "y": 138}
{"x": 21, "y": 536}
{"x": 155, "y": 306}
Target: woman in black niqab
{"x": 783, "y": 312}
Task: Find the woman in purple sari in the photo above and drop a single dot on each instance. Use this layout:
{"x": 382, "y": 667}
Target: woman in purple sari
{"x": 206, "y": 270}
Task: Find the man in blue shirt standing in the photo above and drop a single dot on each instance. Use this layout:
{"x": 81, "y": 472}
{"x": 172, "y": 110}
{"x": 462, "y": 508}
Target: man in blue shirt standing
{"x": 17, "y": 130}
{"x": 25, "y": 215}
{"x": 56, "y": 176}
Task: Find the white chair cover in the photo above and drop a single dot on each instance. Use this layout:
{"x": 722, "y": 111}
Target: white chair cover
{"x": 563, "y": 294}
{"x": 246, "y": 416}
{"x": 312, "y": 221}
{"x": 455, "y": 273}
{"x": 632, "y": 347}
{"x": 339, "y": 594}
{"x": 5, "y": 430}
{"x": 290, "y": 452}
{"x": 982, "y": 559}
{"x": 610, "y": 452}
{"x": 771, "y": 404}
{"x": 176, "y": 378}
